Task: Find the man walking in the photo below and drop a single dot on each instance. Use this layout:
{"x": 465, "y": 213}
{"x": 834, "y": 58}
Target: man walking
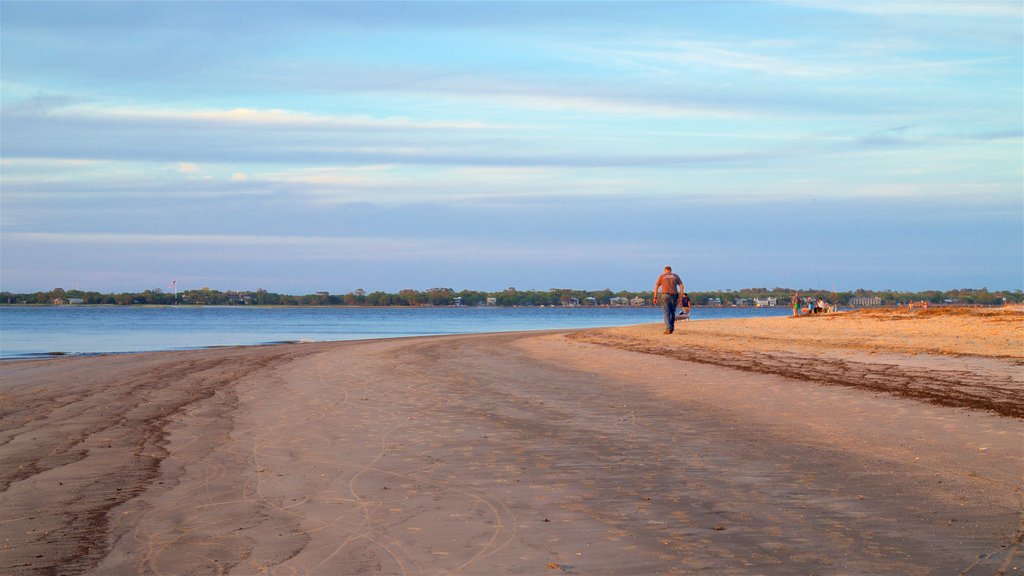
{"x": 671, "y": 287}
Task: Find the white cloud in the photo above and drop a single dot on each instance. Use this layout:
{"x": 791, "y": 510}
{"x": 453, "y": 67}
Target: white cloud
{"x": 261, "y": 118}
{"x": 611, "y": 104}
{"x": 386, "y": 184}
{"x": 731, "y": 56}
{"x": 187, "y": 168}
{"x": 239, "y": 177}
{"x": 49, "y": 163}
{"x": 976, "y": 8}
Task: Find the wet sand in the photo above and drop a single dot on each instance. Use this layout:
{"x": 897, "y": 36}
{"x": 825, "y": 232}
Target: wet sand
{"x": 617, "y": 451}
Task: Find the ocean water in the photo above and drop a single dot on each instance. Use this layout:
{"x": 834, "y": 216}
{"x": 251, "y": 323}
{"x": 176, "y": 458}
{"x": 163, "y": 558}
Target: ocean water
{"x": 27, "y": 332}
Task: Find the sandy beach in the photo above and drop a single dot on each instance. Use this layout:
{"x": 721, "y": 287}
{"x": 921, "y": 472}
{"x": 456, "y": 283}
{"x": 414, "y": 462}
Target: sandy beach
{"x": 877, "y": 442}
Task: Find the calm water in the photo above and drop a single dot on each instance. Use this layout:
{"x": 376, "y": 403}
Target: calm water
{"x": 35, "y": 331}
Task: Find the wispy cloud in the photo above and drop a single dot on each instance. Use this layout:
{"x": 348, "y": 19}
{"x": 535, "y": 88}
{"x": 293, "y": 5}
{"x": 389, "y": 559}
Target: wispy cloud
{"x": 189, "y": 138}
{"x": 396, "y": 184}
{"x": 974, "y": 9}
{"x": 68, "y": 110}
{"x": 823, "y": 66}
{"x": 680, "y": 56}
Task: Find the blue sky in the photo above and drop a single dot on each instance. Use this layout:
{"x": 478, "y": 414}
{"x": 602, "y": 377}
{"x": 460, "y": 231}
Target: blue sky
{"x": 307, "y": 146}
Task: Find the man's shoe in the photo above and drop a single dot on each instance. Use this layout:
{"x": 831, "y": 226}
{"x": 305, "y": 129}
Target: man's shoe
{"x": 668, "y": 331}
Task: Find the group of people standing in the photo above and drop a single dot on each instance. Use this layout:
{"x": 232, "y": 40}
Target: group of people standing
{"x": 670, "y": 286}
{"x": 813, "y": 306}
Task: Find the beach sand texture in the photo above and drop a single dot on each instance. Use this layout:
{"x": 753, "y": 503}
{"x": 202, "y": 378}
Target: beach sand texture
{"x": 868, "y": 443}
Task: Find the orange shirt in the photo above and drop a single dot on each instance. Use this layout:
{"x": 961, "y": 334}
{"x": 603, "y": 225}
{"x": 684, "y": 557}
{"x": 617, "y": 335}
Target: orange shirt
{"x": 668, "y": 282}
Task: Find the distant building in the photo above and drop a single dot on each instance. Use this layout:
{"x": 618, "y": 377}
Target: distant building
{"x": 865, "y": 301}
{"x": 492, "y": 301}
{"x": 714, "y": 301}
{"x": 765, "y": 302}
{"x": 741, "y": 302}
{"x": 619, "y": 301}
{"x": 638, "y": 301}
{"x": 76, "y": 301}
{"x": 590, "y": 301}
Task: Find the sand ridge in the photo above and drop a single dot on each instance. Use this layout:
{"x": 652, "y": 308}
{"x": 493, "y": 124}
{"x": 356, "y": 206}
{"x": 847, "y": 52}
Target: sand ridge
{"x": 957, "y": 357}
{"x": 983, "y": 332}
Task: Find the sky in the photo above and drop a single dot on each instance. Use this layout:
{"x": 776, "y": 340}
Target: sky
{"x": 332, "y": 146}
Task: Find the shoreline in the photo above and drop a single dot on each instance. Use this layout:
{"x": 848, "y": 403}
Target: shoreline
{"x": 89, "y": 331}
{"x": 1013, "y": 344}
{"x": 58, "y": 355}
{"x": 536, "y": 451}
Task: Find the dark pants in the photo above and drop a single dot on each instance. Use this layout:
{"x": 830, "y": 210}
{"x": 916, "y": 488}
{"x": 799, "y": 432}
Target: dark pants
{"x": 668, "y": 306}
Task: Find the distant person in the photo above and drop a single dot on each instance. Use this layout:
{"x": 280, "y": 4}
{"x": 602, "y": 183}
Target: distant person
{"x": 671, "y": 288}
{"x": 684, "y": 304}
{"x": 819, "y": 306}
{"x": 795, "y": 301}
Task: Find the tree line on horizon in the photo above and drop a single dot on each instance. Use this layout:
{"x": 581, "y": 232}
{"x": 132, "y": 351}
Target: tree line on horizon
{"x": 507, "y": 297}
